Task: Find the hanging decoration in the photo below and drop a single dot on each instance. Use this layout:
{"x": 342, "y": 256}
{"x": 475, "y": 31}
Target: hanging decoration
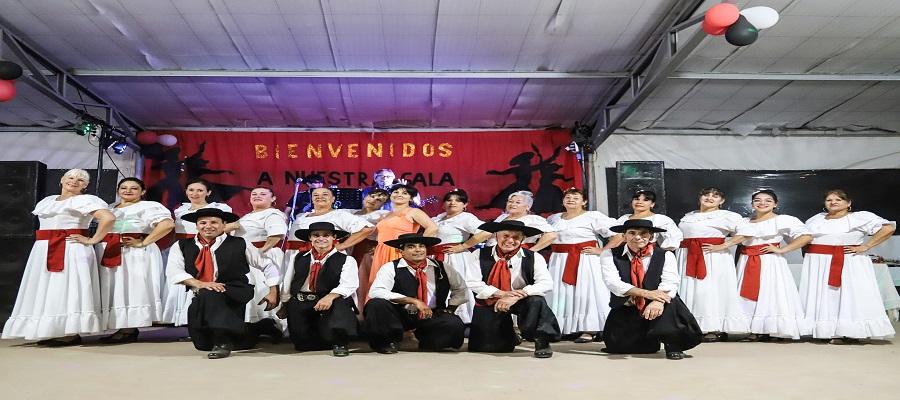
{"x": 9, "y": 72}
{"x": 740, "y": 27}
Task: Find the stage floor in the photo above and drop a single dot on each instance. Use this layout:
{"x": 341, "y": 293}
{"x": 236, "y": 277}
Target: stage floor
{"x": 158, "y": 367}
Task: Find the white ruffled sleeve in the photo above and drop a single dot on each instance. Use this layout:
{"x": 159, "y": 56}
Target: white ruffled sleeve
{"x": 470, "y": 223}
{"x": 600, "y": 224}
{"x": 155, "y": 213}
{"x": 220, "y": 206}
{"x": 737, "y": 225}
{"x": 791, "y": 227}
{"x": 537, "y": 221}
{"x": 86, "y": 204}
{"x": 275, "y": 223}
{"x": 867, "y": 222}
{"x": 672, "y": 236}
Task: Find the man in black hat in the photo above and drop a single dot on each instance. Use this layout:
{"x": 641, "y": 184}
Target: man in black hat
{"x": 302, "y": 201}
{"x": 506, "y": 280}
{"x": 412, "y": 293}
{"x": 215, "y": 267}
{"x": 316, "y": 292}
{"x": 643, "y": 282}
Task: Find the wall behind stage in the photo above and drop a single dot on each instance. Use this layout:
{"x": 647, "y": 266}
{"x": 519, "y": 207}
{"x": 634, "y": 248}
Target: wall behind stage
{"x": 61, "y": 150}
{"x": 488, "y": 165}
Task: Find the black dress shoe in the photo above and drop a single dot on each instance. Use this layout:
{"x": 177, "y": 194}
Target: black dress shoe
{"x": 390, "y": 348}
{"x": 340, "y": 351}
{"x": 542, "y": 348}
{"x": 674, "y": 355}
{"x": 63, "y": 343}
{"x": 120, "y": 337}
{"x": 220, "y": 351}
{"x": 582, "y": 339}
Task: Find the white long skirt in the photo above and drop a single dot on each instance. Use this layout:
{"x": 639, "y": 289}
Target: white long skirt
{"x": 854, "y": 310}
{"x": 256, "y": 312}
{"x": 714, "y": 299}
{"x": 57, "y": 304}
{"x": 778, "y": 311}
{"x": 130, "y": 292}
{"x": 458, "y": 262}
{"x": 584, "y": 306}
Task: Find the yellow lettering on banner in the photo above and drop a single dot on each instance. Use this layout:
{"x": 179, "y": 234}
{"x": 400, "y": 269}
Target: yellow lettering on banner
{"x": 370, "y": 149}
{"x": 311, "y": 151}
{"x": 428, "y": 150}
{"x": 277, "y": 153}
{"x": 409, "y": 149}
{"x": 261, "y": 151}
{"x": 446, "y": 149}
{"x": 334, "y": 152}
{"x": 392, "y": 149}
{"x": 291, "y": 150}
{"x": 353, "y": 150}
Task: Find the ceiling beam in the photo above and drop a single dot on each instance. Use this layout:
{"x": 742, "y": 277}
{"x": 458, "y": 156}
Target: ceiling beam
{"x": 783, "y": 77}
{"x": 351, "y": 74}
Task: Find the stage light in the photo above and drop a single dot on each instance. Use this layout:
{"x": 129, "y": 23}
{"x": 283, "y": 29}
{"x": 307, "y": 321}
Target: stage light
{"x": 83, "y": 128}
{"x": 119, "y": 146}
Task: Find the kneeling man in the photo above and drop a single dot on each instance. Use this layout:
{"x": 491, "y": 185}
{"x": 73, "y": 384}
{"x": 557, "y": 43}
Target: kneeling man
{"x": 506, "y": 280}
{"x": 316, "y": 292}
{"x": 412, "y": 293}
{"x": 643, "y": 282}
{"x": 215, "y": 267}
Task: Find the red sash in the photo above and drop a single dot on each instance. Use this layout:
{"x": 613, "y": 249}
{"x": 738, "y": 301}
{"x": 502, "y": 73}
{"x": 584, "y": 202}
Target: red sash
{"x": 438, "y": 250}
{"x": 56, "y": 248}
{"x": 298, "y": 245}
{"x": 258, "y": 245}
{"x": 570, "y": 273}
{"x": 750, "y": 283}
{"x": 837, "y": 260}
{"x": 696, "y": 265}
{"x": 112, "y": 255}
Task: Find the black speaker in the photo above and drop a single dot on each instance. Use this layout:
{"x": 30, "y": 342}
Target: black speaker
{"x": 21, "y": 187}
{"x": 347, "y": 198}
{"x": 634, "y": 176}
{"x": 13, "y": 256}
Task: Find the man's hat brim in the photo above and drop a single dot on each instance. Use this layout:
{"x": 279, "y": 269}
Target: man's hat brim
{"x": 210, "y": 212}
{"x": 303, "y": 234}
{"x": 636, "y": 224}
{"x": 494, "y": 227}
{"x": 412, "y": 238}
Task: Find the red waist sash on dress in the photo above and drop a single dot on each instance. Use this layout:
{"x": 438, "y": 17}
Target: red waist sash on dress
{"x": 696, "y": 265}
{"x": 750, "y": 283}
{"x": 438, "y": 250}
{"x": 570, "y": 272}
{"x": 298, "y": 245}
{"x": 180, "y": 236}
{"x": 837, "y": 260}
{"x": 258, "y": 245}
{"x": 56, "y": 248}
{"x": 112, "y": 255}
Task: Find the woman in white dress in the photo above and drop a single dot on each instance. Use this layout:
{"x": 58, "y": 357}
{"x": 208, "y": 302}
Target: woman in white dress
{"x": 264, "y": 228}
{"x": 768, "y": 293}
{"x": 579, "y": 298}
{"x": 130, "y": 281}
{"x": 708, "y": 276}
{"x": 838, "y": 288}
{"x": 364, "y": 251}
{"x": 177, "y": 299}
{"x": 59, "y": 297}
{"x": 518, "y": 208}
{"x": 455, "y": 225}
{"x": 642, "y": 203}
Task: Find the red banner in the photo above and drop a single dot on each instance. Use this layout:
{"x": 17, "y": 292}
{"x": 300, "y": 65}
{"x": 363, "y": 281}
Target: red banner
{"x": 487, "y": 165}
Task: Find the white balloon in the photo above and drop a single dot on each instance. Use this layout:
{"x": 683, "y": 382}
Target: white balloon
{"x": 167, "y": 140}
{"x": 761, "y": 17}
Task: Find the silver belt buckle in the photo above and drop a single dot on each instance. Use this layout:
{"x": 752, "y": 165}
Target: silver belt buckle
{"x": 305, "y": 297}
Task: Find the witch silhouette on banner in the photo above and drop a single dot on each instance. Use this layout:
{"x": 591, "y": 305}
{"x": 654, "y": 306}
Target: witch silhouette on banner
{"x": 194, "y": 166}
{"x": 548, "y": 197}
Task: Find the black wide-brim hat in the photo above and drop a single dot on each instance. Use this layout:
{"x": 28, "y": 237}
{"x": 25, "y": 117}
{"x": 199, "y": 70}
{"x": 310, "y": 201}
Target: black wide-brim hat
{"x": 511, "y": 225}
{"x": 408, "y": 238}
{"x": 635, "y": 224}
{"x": 210, "y": 212}
{"x": 303, "y": 234}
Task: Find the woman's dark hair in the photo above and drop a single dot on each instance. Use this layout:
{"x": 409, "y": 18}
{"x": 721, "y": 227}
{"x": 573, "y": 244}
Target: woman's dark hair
{"x": 203, "y": 182}
{"x": 459, "y": 193}
{"x": 577, "y": 191}
{"x": 648, "y": 194}
{"x": 713, "y": 190}
{"x": 378, "y": 192}
{"x": 132, "y": 179}
{"x": 263, "y": 187}
{"x": 839, "y": 193}
{"x": 769, "y": 192}
{"x": 413, "y": 192}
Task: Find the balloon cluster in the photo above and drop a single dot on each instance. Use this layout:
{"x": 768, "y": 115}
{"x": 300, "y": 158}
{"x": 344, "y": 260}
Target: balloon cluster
{"x": 149, "y": 137}
{"x": 740, "y": 27}
{"x": 9, "y": 72}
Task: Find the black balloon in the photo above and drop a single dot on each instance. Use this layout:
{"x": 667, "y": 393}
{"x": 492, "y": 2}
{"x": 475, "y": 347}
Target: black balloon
{"x": 741, "y": 33}
{"x": 10, "y": 71}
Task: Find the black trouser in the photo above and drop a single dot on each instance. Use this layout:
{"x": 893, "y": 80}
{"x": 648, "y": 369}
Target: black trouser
{"x": 218, "y": 318}
{"x": 625, "y": 332}
{"x": 492, "y": 331}
{"x": 315, "y": 330}
{"x": 385, "y": 323}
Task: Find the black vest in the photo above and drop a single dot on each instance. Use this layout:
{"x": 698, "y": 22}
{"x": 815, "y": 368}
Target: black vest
{"x": 405, "y": 283}
{"x": 230, "y": 258}
{"x": 329, "y": 273}
{"x": 652, "y": 277}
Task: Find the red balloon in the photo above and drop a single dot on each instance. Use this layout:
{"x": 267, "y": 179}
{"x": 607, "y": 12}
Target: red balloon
{"x": 147, "y": 137}
{"x": 713, "y": 30}
{"x": 7, "y": 91}
{"x": 722, "y": 15}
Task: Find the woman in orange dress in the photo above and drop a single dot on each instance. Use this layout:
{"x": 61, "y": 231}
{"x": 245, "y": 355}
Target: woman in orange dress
{"x": 402, "y": 219}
